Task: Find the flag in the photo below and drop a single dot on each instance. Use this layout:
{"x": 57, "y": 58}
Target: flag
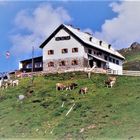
{"x": 7, "y": 54}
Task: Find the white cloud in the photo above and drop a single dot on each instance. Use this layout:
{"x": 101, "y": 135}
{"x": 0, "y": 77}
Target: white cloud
{"x": 35, "y": 26}
{"x": 123, "y": 29}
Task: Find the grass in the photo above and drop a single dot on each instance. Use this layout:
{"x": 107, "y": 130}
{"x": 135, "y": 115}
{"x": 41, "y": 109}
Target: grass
{"x": 103, "y": 113}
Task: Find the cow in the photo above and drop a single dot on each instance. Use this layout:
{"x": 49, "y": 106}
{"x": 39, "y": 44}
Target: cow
{"x": 71, "y": 86}
{"x": 83, "y": 90}
{"x": 15, "y": 82}
{"x": 110, "y": 81}
{"x": 60, "y": 86}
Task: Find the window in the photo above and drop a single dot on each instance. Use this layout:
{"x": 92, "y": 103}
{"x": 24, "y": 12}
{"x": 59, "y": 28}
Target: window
{"x": 62, "y": 63}
{"x": 51, "y": 64}
{"x": 113, "y": 60}
{"x": 50, "y": 52}
{"x": 29, "y": 66}
{"x": 110, "y": 59}
{"x": 99, "y": 53}
{"x": 38, "y": 64}
{"x": 74, "y": 62}
{"x": 74, "y": 50}
{"x": 105, "y": 57}
{"x": 117, "y": 62}
{"x": 62, "y": 38}
{"x": 89, "y": 51}
{"x": 64, "y": 50}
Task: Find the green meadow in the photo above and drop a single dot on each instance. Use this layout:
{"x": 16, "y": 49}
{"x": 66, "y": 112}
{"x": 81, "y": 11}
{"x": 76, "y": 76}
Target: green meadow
{"x": 101, "y": 114}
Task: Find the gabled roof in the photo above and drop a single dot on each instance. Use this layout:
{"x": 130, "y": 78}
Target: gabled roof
{"x": 83, "y": 38}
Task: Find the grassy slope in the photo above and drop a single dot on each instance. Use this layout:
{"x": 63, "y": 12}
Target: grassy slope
{"x": 114, "y": 113}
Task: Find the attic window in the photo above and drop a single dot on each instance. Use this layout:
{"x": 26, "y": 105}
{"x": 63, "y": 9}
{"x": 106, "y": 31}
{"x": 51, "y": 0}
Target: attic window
{"x": 50, "y": 52}
{"x": 74, "y": 50}
{"x": 100, "y": 43}
{"x": 64, "y": 51}
{"x": 62, "y": 38}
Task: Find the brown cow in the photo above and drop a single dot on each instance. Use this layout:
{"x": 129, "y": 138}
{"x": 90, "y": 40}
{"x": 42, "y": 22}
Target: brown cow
{"x": 110, "y": 81}
{"x": 83, "y": 90}
{"x": 60, "y": 86}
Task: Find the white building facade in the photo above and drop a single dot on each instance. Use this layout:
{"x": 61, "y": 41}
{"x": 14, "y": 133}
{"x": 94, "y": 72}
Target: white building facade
{"x": 68, "y": 48}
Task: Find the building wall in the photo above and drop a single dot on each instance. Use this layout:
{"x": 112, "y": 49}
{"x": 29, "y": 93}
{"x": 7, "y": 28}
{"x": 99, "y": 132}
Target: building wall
{"x": 118, "y": 69}
{"x": 57, "y": 46}
{"x": 82, "y": 62}
{"x": 81, "y": 55}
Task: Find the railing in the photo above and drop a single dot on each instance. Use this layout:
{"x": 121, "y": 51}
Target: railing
{"x": 131, "y": 73}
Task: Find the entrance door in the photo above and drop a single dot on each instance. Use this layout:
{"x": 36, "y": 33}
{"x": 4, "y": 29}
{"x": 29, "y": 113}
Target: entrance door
{"x": 98, "y": 64}
{"x": 91, "y": 63}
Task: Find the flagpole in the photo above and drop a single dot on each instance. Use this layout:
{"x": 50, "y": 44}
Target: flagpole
{"x": 32, "y": 63}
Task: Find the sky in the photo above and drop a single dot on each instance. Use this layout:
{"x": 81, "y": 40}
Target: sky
{"x": 24, "y": 24}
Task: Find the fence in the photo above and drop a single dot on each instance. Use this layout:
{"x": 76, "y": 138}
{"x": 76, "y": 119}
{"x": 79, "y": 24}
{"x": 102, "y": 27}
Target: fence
{"x": 131, "y": 73}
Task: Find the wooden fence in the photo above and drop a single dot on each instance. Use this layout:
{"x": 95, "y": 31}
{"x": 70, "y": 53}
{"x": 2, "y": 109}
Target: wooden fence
{"x": 131, "y": 73}
{"x": 96, "y": 70}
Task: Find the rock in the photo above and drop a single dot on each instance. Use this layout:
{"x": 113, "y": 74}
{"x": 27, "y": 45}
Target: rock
{"x": 21, "y": 97}
{"x": 91, "y": 126}
{"x": 82, "y": 130}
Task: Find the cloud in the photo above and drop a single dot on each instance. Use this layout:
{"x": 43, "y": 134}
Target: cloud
{"x": 35, "y": 26}
{"x": 123, "y": 29}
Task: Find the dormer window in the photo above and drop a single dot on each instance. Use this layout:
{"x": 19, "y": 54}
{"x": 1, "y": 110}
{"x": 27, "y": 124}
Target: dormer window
{"x": 64, "y": 51}
{"x": 109, "y": 46}
{"x": 50, "y": 52}
{"x": 90, "y": 38}
{"x": 74, "y": 50}
{"x": 100, "y": 43}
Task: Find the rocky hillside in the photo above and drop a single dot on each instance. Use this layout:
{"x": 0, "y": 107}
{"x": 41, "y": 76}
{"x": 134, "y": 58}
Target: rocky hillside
{"x": 132, "y": 55}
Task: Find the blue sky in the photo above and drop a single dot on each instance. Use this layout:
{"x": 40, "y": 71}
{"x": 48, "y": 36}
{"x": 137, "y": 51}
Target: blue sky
{"x": 26, "y": 24}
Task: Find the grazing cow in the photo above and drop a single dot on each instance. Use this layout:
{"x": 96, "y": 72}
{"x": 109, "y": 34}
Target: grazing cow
{"x": 60, "y": 86}
{"x": 110, "y": 81}
{"x": 15, "y": 82}
{"x": 71, "y": 86}
{"x": 1, "y": 82}
{"x": 83, "y": 90}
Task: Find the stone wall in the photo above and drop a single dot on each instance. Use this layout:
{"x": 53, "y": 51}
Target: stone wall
{"x": 82, "y": 62}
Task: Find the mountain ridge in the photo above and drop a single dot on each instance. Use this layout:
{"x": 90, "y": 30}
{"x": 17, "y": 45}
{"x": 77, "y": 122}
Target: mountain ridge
{"x": 132, "y": 55}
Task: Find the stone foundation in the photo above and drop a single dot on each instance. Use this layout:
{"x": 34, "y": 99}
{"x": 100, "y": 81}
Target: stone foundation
{"x": 82, "y": 63}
